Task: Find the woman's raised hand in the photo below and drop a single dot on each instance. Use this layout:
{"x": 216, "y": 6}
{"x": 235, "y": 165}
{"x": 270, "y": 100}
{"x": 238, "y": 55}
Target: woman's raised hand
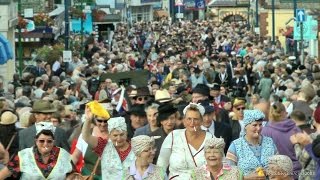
{"x": 88, "y": 113}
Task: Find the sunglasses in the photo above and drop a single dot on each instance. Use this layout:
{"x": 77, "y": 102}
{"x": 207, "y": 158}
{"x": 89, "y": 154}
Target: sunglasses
{"x": 42, "y": 141}
{"x": 141, "y": 98}
{"x": 241, "y": 108}
{"x": 101, "y": 121}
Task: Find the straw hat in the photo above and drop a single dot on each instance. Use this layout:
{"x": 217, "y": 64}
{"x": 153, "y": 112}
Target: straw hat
{"x": 8, "y": 117}
{"x": 163, "y": 96}
{"x": 24, "y": 119}
{"x": 133, "y": 93}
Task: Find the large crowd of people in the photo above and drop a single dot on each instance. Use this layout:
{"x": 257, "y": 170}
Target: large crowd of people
{"x": 219, "y": 102}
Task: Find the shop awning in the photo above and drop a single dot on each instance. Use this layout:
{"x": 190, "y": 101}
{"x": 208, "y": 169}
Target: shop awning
{"x": 161, "y": 13}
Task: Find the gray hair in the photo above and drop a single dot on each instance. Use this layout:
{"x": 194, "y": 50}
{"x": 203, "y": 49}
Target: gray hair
{"x": 152, "y": 106}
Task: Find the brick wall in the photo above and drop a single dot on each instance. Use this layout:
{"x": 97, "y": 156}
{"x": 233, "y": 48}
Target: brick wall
{"x": 263, "y": 24}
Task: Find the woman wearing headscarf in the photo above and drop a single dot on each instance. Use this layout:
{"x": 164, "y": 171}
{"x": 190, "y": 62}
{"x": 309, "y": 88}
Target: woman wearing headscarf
{"x": 280, "y": 168}
{"x": 280, "y": 128}
{"x": 100, "y": 129}
{"x": 42, "y": 161}
{"x": 115, "y": 151}
{"x": 142, "y": 168}
{"x": 215, "y": 168}
{"x": 182, "y": 150}
{"x": 251, "y": 151}
{"x": 166, "y": 120}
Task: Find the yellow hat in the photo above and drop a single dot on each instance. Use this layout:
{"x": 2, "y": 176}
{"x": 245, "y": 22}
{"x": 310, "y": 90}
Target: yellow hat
{"x": 98, "y": 110}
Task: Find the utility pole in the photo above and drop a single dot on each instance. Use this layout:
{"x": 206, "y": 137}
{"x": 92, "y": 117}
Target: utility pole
{"x": 273, "y": 23}
{"x": 19, "y": 41}
{"x": 66, "y": 28}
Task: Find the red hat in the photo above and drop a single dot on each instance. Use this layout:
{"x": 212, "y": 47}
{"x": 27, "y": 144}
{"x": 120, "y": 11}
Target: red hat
{"x": 316, "y": 115}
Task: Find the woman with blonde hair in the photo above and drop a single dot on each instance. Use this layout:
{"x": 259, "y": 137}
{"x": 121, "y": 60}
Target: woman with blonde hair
{"x": 255, "y": 98}
{"x": 280, "y": 128}
{"x": 182, "y": 150}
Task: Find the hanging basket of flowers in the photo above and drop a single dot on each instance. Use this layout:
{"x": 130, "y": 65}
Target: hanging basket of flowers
{"x": 22, "y": 23}
{"x": 98, "y": 15}
{"x": 43, "y": 19}
{"x": 77, "y": 13}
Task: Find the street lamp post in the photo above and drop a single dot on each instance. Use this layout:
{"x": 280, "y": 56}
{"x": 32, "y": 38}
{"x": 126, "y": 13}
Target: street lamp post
{"x": 19, "y": 41}
{"x": 295, "y": 42}
{"x": 66, "y": 28}
{"x": 257, "y": 13}
{"x": 248, "y": 23}
{"x": 273, "y": 22}
{"x": 81, "y": 47}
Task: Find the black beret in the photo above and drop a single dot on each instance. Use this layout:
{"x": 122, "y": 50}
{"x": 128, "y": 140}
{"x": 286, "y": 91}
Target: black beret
{"x": 202, "y": 89}
{"x": 138, "y": 110}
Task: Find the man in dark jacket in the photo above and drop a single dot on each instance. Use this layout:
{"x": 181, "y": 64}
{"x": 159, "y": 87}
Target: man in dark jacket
{"x": 218, "y": 129}
{"x": 42, "y": 112}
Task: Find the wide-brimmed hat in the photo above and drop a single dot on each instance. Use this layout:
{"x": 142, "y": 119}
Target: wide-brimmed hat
{"x": 143, "y": 91}
{"x": 42, "y": 106}
{"x": 8, "y": 117}
{"x": 164, "y": 111}
{"x": 133, "y": 93}
{"x": 163, "y": 96}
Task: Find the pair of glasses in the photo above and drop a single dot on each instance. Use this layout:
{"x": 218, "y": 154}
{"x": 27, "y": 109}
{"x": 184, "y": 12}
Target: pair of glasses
{"x": 241, "y": 108}
{"x": 42, "y": 141}
{"x": 101, "y": 121}
{"x": 141, "y": 98}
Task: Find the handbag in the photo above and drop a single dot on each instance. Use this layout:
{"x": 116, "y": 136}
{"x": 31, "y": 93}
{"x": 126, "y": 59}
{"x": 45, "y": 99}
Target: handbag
{"x": 79, "y": 176}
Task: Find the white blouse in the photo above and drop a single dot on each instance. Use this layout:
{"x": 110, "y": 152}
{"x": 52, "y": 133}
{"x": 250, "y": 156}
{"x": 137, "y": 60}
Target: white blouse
{"x": 181, "y": 157}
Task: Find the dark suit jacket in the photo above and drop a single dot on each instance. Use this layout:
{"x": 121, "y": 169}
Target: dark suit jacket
{"x": 236, "y": 129}
{"x": 223, "y": 130}
{"x": 226, "y": 81}
{"x": 158, "y": 142}
{"x": 26, "y": 138}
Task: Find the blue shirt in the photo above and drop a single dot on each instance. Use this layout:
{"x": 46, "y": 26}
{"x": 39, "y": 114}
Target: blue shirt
{"x": 134, "y": 172}
{"x": 316, "y": 159}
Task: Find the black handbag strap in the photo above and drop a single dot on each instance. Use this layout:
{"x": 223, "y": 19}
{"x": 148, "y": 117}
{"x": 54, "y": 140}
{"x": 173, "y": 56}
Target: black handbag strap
{"x": 11, "y": 140}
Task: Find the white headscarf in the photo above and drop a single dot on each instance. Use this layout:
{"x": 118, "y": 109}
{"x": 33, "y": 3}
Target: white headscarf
{"x": 198, "y": 106}
{"x": 118, "y": 123}
{"x": 45, "y": 126}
